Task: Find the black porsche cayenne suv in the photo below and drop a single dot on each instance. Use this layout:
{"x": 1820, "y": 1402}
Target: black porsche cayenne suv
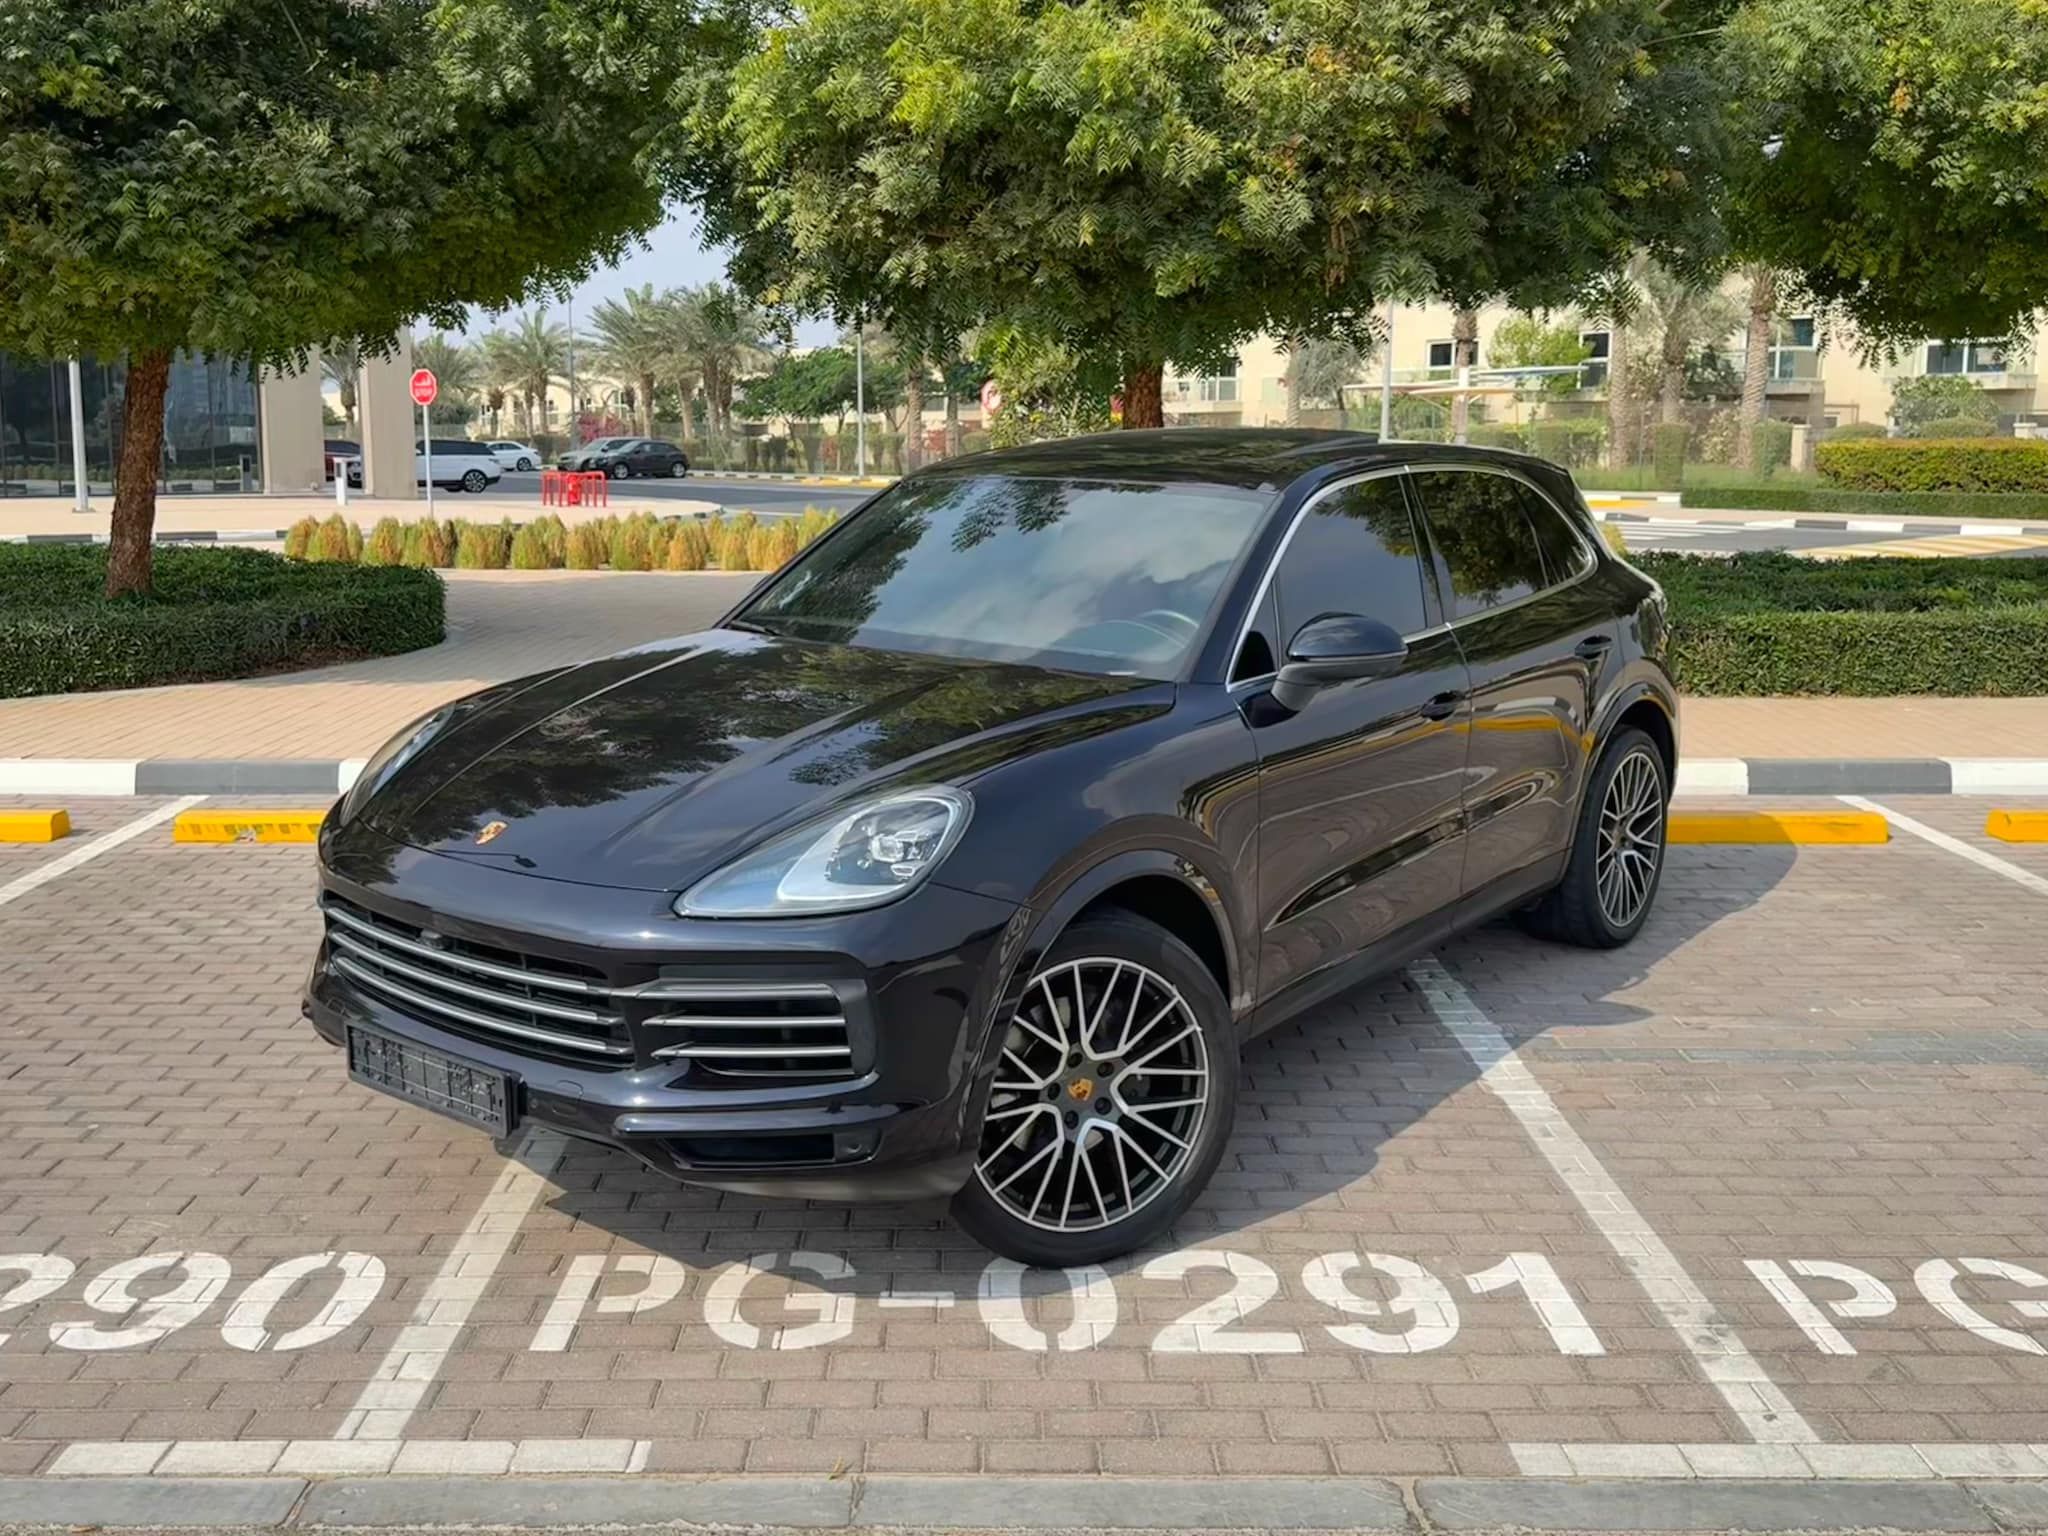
{"x": 964, "y": 855}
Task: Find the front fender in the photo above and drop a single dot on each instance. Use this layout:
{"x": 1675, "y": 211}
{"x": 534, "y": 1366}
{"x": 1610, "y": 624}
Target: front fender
{"x": 1641, "y": 680}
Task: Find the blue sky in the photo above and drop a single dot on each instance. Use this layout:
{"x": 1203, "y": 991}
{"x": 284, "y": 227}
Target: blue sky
{"x": 674, "y": 255}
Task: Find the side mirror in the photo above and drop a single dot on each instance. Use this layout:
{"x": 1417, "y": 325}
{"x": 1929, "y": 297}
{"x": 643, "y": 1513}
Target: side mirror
{"x": 1335, "y": 648}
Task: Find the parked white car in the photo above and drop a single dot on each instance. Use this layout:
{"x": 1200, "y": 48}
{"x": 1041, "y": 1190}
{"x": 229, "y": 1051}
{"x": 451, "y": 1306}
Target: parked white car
{"x": 520, "y": 456}
{"x": 458, "y": 466}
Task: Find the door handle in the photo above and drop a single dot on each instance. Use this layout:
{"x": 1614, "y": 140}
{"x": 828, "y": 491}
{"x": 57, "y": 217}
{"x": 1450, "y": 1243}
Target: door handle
{"x": 1593, "y": 647}
{"x": 1444, "y": 705}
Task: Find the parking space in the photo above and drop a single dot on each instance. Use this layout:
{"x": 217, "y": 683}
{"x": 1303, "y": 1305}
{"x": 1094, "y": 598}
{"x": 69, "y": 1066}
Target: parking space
{"x": 1775, "y": 1175}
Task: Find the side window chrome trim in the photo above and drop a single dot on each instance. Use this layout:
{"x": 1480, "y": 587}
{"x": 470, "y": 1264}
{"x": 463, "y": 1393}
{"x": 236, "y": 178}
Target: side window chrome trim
{"x": 1589, "y": 560}
{"x": 1251, "y": 613}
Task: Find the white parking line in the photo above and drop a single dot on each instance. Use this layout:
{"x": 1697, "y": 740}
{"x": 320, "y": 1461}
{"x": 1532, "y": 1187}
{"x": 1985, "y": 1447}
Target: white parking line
{"x": 1955, "y": 845}
{"x": 422, "y": 1347}
{"x": 106, "y": 842}
{"x": 1764, "y": 1411}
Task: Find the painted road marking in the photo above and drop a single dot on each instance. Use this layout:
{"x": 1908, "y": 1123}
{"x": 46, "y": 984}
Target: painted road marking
{"x": 250, "y": 825}
{"x": 1915, "y": 1462}
{"x": 422, "y": 1347}
{"x": 1775, "y": 827}
{"x": 39, "y": 826}
{"x": 85, "y": 853}
{"x": 1957, "y": 846}
{"x": 1763, "y": 1410}
{"x": 2017, "y": 826}
{"x": 1940, "y": 546}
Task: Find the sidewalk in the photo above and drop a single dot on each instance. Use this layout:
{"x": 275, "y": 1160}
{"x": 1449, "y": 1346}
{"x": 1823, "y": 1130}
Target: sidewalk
{"x": 505, "y": 623}
{"x": 266, "y": 517}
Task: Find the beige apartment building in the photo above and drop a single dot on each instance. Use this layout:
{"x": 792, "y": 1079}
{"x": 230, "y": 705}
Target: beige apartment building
{"x": 1815, "y": 379}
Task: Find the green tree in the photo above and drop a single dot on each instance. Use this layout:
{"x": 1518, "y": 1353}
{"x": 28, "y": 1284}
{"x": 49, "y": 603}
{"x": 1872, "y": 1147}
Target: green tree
{"x": 717, "y": 334}
{"x": 247, "y": 180}
{"x": 1761, "y": 303}
{"x": 1939, "y": 397}
{"x": 342, "y": 363}
{"x": 1894, "y": 155}
{"x": 1528, "y": 341}
{"x": 1688, "y": 317}
{"x": 632, "y": 344}
{"x": 528, "y": 358}
{"x": 456, "y": 370}
{"x": 1145, "y": 182}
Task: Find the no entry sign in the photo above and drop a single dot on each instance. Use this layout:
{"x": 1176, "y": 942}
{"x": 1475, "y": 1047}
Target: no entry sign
{"x": 424, "y": 386}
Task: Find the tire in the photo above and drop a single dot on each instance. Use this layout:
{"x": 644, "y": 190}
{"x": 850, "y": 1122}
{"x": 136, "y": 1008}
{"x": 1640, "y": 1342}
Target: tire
{"x": 475, "y": 482}
{"x": 526, "y": 466}
{"x": 620, "y": 472}
{"x": 677, "y": 470}
{"x": 1012, "y": 1202}
{"x": 1589, "y": 907}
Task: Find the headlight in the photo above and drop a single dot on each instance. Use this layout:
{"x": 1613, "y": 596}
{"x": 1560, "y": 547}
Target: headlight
{"x": 859, "y": 857}
{"x": 392, "y": 756}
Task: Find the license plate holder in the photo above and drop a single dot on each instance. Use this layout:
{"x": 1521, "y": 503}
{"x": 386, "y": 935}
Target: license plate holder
{"x": 448, "y": 1085}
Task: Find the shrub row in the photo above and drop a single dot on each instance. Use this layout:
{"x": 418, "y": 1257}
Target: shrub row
{"x": 1772, "y": 623}
{"x": 639, "y": 541}
{"x": 1792, "y": 497}
{"x": 1935, "y": 464}
{"x": 214, "y": 613}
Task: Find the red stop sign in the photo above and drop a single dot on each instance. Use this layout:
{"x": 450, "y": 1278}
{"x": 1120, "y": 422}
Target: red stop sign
{"x": 424, "y": 386}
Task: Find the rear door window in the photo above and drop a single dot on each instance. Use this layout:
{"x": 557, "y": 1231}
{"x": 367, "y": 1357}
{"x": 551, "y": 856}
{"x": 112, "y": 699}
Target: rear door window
{"x": 1565, "y": 554}
{"x": 1486, "y": 538}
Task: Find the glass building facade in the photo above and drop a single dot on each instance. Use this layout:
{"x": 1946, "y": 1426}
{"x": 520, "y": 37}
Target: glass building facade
{"x": 210, "y": 436}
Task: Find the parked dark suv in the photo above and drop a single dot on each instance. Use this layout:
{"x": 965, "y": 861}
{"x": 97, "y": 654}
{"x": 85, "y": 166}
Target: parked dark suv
{"x": 964, "y": 855}
{"x": 623, "y": 457}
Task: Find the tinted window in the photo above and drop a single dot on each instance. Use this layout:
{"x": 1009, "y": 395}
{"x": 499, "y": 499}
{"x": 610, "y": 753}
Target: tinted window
{"x": 455, "y": 449}
{"x": 1484, "y": 535}
{"x": 1564, "y": 552}
{"x": 1085, "y": 575}
{"x": 1354, "y": 552}
{"x": 664, "y": 447}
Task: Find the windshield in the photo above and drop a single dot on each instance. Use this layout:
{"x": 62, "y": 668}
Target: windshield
{"x": 1085, "y": 575}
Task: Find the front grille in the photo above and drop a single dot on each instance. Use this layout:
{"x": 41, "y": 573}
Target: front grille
{"x": 787, "y": 1029}
{"x": 478, "y": 990}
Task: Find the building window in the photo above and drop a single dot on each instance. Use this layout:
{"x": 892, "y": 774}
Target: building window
{"x": 1218, "y": 388}
{"x": 1793, "y": 352}
{"x": 1965, "y": 357}
{"x": 1593, "y": 371}
{"x": 1440, "y": 354}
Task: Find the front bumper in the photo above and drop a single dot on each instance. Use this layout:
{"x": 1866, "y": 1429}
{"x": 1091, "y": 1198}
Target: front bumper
{"x": 918, "y": 982}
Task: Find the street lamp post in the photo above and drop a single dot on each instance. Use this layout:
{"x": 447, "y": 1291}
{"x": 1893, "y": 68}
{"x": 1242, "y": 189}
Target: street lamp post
{"x": 81, "y": 496}
{"x": 1387, "y": 379}
{"x": 860, "y": 399}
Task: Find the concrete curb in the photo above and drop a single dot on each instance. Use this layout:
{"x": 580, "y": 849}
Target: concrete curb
{"x": 1892, "y": 525}
{"x": 1045, "y": 1503}
{"x": 1698, "y": 776}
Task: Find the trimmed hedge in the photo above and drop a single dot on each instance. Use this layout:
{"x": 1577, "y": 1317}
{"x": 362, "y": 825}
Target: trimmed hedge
{"x": 1791, "y": 497}
{"x": 214, "y": 613}
{"x": 1935, "y": 464}
{"x": 1771, "y": 623}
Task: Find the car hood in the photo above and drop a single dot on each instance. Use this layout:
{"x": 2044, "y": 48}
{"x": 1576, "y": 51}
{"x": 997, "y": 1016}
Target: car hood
{"x": 652, "y": 768}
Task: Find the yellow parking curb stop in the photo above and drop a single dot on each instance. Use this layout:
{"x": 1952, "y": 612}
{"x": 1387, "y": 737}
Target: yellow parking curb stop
{"x": 248, "y": 826}
{"x": 34, "y": 826}
{"x": 1778, "y": 827}
{"x": 2018, "y": 826}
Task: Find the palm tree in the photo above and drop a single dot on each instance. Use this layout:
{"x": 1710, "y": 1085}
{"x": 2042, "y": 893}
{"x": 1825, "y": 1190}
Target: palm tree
{"x": 720, "y": 333}
{"x": 456, "y": 369}
{"x": 1688, "y": 316}
{"x": 1756, "y": 359}
{"x": 342, "y": 362}
{"x": 1464, "y": 354}
{"x": 630, "y": 341}
{"x": 527, "y": 359}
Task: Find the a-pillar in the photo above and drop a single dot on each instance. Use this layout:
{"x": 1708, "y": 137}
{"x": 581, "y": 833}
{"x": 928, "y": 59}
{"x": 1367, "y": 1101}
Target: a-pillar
{"x": 293, "y": 442}
{"x": 390, "y": 423}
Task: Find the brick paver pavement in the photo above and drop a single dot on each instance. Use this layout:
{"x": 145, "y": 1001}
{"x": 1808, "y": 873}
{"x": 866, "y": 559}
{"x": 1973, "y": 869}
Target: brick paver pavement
{"x": 505, "y": 623}
{"x": 1829, "y": 1054}
{"x": 500, "y": 624}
